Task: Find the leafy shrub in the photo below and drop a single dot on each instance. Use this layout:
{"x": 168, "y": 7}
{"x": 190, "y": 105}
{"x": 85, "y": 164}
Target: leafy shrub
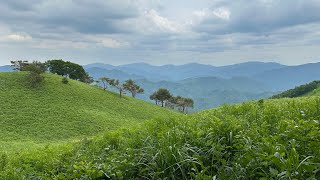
{"x": 65, "y": 80}
{"x": 34, "y": 79}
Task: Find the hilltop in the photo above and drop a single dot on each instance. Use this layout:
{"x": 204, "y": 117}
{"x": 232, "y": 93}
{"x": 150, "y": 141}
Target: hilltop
{"x": 57, "y": 112}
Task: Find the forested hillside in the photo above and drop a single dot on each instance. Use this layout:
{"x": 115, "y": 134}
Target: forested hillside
{"x": 299, "y": 90}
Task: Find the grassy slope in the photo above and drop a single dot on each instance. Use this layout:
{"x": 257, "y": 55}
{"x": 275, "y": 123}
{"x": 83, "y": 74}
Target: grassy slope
{"x": 274, "y": 139}
{"x": 56, "y": 112}
{"x": 315, "y": 92}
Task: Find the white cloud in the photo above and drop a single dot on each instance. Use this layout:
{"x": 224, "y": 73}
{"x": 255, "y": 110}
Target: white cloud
{"x": 161, "y": 23}
{"x": 19, "y": 37}
{"x": 222, "y": 13}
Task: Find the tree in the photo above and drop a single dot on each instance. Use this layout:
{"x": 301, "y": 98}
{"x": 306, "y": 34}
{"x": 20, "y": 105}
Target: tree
{"x": 188, "y": 102}
{"x": 115, "y": 83}
{"x": 172, "y": 102}
{"x": 132, "y": 87}
{"x": 184, "y": 103}
{"x": 75, "y": 71}
{"x": 36, "y": 67}
{"x": 105, "y": 81}
{"x": 163, "y": 95}
{"x": 69, "y": 69}
{"x": 154, "y": 97}
{"x": 18, "y": 65}
{"x": 88, "y": 79}
{"x": 180, "y": 103}
{"x": 56, "y": 67}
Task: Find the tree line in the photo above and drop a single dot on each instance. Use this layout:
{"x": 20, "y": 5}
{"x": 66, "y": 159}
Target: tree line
{"x": 66, "y": 69}
{"x": 164, "y": 98}
{"x": 161, "y": 97}
{"x": 298, "y": 91}
{"x": 128, "y": 85}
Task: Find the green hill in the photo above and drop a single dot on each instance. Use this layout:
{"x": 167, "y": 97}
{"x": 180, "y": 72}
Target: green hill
{"x": 57, "y": 112}
{"x": 299, "y": 91}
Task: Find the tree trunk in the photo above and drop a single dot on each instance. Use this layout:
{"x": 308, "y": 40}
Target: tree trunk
{"x": 120, "y": 92}
{"x": 161, "y": 103}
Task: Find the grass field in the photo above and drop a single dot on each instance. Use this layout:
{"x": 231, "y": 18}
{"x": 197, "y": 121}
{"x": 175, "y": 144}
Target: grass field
{"x": 59, "y": 113}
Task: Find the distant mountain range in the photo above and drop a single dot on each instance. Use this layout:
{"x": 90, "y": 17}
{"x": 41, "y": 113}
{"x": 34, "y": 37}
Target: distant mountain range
{"x": 275, "y": 76}
{"x": 5, "y": 68}
{"x": 210, "y": 85}
{"x": 180, "y": 72}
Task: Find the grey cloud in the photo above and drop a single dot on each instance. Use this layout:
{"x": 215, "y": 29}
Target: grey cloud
{"x": 133, "y": 30}
{"x": 83, "y": 16}
{"x": 262, "y": 16}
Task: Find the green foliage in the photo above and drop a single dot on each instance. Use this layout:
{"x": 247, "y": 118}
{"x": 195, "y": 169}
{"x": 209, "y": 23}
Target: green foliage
{"x": 105, "y": 81}
{"x": 181, "y": 103}
{"x": 35, "y": 69}
{"x": 115, "y": 83}
{"x": 65, "y": 80}
{"x": 167, "y": 100}
{"x": 34, "y": 79}
{"x": 69, "y": 69}
{"x": 162, "y": 95}
{"x": 298, "y": 91}
{"x": 133, "y": 88}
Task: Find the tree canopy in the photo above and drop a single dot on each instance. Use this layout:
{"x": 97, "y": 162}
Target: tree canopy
{"x": 162, "y": 95}
{"x": 68, "y": 69}
{"x": 132, "y": 87}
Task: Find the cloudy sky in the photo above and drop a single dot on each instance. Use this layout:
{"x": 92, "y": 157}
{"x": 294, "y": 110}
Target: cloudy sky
{"x": 216, "y": 32}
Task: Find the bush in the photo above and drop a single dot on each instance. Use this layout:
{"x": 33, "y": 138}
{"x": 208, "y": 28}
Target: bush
{"x": 35, "y": 70}
{"x": 65, "y": 80}
{"x": 34, "y": 79}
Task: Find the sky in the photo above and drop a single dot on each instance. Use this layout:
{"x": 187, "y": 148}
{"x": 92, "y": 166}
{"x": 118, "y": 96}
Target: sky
{"x": 216, "y": 32}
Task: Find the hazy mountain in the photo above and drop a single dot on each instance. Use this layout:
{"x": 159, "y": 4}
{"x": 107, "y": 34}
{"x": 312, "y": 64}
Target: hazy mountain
{"x": 7, "y": 68}
{"x": 168, "y": 72}
{"x": 248, "y": 68}
{"x": 210, "y": 91}
{"x": 99, "y": 65}
{"x": 97, "y": 73}
{"x": 290, "y": 76}
{"x": 180, "y": 72}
